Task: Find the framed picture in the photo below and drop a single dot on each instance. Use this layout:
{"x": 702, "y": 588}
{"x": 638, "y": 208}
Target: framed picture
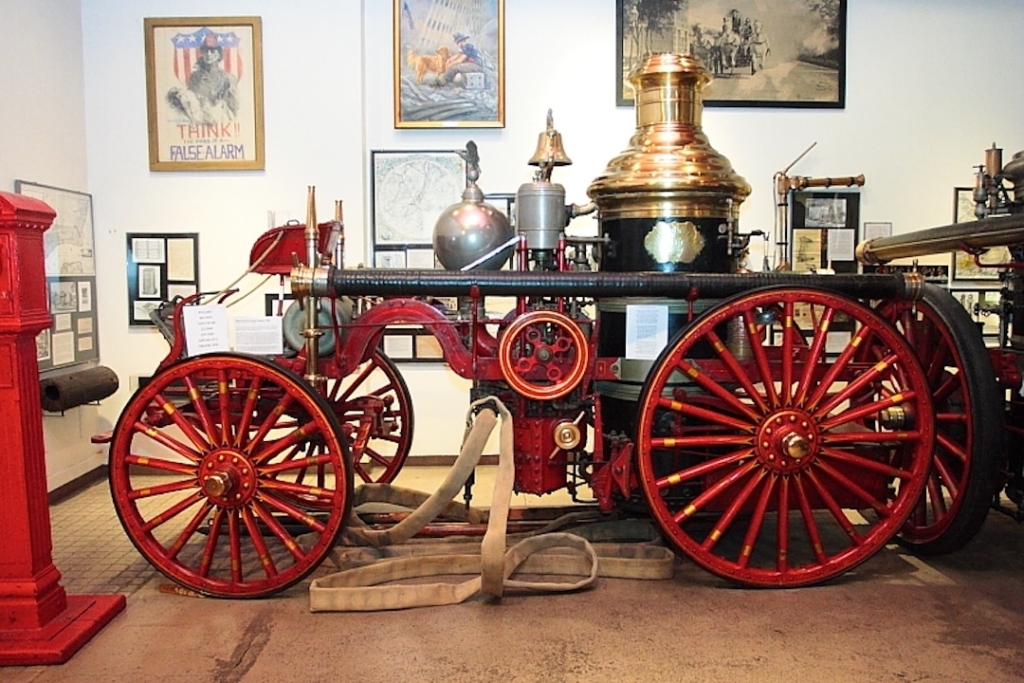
{"x": 789, "y": 53}
{"x": 963, "y": 204}
{"x": 204, "y": 88}
{"x": 70, "y": 268}
{"x": 825, "y": 231}
{"x": 449, "y": 63}
{"x": 410, "y": 189}
{"x": 984, "y": 306}
{"x": 161, "y": 266}
{"x": 965, "y": 266}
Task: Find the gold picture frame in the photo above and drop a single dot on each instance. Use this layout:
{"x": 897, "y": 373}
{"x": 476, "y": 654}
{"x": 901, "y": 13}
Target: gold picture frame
{"x": 204, "y": 90}
{"x": 449, "y": 63}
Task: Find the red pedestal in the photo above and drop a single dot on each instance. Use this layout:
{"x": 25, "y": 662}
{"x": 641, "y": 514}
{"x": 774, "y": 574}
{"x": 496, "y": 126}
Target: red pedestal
{"x": 39, "y": 622}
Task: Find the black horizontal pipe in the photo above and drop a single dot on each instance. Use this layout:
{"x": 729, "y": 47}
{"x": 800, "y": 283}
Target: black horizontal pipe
{"x": 380, "y": 282}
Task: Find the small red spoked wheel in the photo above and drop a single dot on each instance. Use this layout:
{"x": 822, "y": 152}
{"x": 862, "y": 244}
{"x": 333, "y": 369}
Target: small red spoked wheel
{"x": 543, "y": 355}
{"x": 374, "y": 407}
{"x": 767, "y": 458}
{"x": 969, "y": 433}
{"x": 205, "y": 474}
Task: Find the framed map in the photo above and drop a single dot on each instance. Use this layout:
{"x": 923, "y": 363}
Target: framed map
{"x": 410, "y": 190}
{"x": 70, "y": 278}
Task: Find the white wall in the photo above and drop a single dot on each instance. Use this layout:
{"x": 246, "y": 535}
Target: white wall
{"x": 42, "y": 139}
{"x": 930, "y": 85}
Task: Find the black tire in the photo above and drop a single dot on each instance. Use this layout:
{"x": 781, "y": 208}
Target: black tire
{"x": 984, "y": 438}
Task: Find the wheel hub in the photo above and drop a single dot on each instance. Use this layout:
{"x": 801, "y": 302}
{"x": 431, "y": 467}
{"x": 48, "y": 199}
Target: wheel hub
{"x": 228, "y": 478}
{"x": 787, "y": 441}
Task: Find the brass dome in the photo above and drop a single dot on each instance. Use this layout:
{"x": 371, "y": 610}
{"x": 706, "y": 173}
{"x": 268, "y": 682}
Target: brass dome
{"x": 670, "y": 168}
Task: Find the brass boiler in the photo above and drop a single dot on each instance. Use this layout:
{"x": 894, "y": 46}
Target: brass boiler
{"x": 668, "y": 203}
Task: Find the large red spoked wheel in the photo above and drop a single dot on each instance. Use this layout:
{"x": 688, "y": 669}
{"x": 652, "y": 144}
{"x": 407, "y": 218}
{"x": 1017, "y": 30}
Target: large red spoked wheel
{"x": 374, "y": 407}
{"x": 763, "y": 447}
{"x": 969, "y": 432}
{"x": 206, "y": 472}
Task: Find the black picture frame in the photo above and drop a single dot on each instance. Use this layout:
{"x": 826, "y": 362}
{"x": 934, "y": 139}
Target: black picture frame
{"x": 815, "y": 78}
{"x": 160, "y": 267}
{"x": 827, "y": 223}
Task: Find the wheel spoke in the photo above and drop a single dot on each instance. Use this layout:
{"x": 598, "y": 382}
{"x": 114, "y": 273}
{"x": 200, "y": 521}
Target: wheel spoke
{"x": 756, "y": 522}
{"x": 871, "y": 408}
{"x": 705, "y": 414}
{"x": 782, "y": 532}
{"x": 172, "y": 487}
{"x": 275, "y": 527}
{"x": 703, "y": 469}
{"x": 256, "y": 536}
{"x": 248, "y": 410}
{"x": 833, "y": 507}
{"x": 738, "y": 374}
{"x": 838, "y": 366}
{"x": 726, "y": 520}
{"x": 882, "y": 468}
{"x": 814, "y": 355}
{"x": 714, "y": 491}
{"x": 278, "y": 446}
{"x": 190, "y": 529}
{"x": 172, "y": 512}
{"x": 184, "y": 425}
{"x": 166, "y": 441}
{"x": 270, "y": 422}
{"x": 199, "y": 405}
{"x": 293, "y": 512}
{"x": 813, "y": 535}
{"x": 216, "y": 525}
{"x": 161, "y": 464}
{"x": 295, "y": 464}
{"x": 788, "y": 332}
{"x": 853, "y": 488}
{"x": 853, "y": 387}
{"x": 760, "y": 358}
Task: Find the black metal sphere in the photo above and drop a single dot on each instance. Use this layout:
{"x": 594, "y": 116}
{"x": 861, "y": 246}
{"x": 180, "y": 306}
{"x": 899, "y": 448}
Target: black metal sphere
{"x": 467, "y": 231}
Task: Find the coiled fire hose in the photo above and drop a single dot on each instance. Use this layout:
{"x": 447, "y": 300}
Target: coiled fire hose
{"x": 369, "y": 575}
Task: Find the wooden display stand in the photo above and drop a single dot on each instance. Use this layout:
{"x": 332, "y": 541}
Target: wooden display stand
{"x": 39, "y": 622}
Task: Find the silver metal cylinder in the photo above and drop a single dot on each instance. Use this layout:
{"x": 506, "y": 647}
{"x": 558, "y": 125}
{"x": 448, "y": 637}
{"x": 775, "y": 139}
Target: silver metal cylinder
{"x": 541, "y": 214}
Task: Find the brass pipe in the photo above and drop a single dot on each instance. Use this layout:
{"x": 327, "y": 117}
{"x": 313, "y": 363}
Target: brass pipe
{"x": 312, "y": 331}
{"x": 1000, "y": 231}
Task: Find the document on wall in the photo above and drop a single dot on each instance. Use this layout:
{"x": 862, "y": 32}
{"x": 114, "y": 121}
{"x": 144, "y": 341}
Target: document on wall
{"x": 262, "y": 336}
{"x": 646, "y": 330}
{"x": 206, "y": 329}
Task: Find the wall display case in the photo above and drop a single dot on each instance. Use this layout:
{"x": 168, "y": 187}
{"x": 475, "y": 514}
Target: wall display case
{"x": 161, "y": 266}
{"x": 73, "y": 336}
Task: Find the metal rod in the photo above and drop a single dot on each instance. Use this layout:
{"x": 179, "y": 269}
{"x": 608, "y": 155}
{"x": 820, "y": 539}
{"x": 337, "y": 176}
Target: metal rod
{"x": 1000, "y": 231}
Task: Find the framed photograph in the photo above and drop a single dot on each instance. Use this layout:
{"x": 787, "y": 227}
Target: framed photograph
{"x": 789, "y": 53}
{"x": 160, "y": 267}
{"x": 410, "y": 189}
{"x": 204, "y": 88}
{"x": 984, "y": 306}
{"x": 449, "y": 63}
{"x": 965, "y": 266}
{"x": 825, "y": 231}
{"x": 70, "y": 266}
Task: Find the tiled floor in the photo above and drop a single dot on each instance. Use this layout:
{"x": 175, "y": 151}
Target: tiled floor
{"x": 91, "y": 549}
{"x": 95, "y": 555}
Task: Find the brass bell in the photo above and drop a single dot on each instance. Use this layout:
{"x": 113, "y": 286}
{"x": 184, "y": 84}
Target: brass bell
{"x": 549, "y": 147}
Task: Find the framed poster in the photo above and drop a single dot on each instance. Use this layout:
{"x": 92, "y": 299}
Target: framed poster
{"x": 825, "y": 231}
{"x": 965, "y": 265}
{"x": 449, "y": 63}
{"x": 204, "y": 88}
{"x": 70, "y": 278}
{"x": 161, "y": 266}
{"x": 409, "y": 191}
{"x": 788, "y": 53}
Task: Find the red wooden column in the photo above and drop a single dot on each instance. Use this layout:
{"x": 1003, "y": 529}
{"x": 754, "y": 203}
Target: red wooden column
{"x": 39, "y": 622}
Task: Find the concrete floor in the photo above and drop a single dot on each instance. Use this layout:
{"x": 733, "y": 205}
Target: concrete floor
{"x": 895, "y": 618}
